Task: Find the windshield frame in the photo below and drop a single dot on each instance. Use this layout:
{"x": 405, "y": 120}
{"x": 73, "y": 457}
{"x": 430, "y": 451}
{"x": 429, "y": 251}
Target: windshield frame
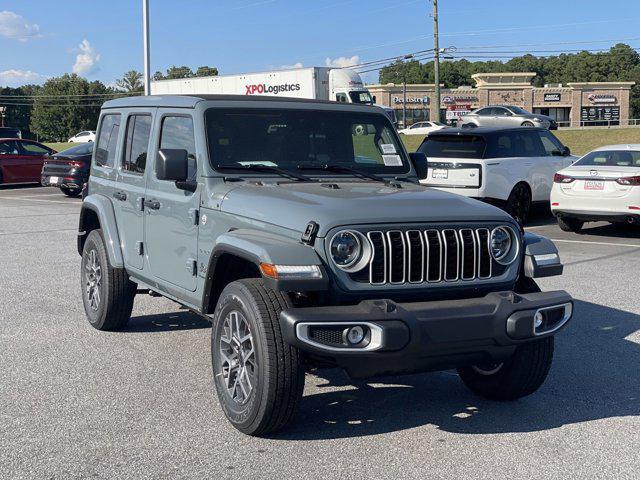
{"x": 405, "y": 170}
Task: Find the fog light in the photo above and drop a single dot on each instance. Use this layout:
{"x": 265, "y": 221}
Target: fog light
{"x": 355, "y": 335}
{"x": 538, "y": 319}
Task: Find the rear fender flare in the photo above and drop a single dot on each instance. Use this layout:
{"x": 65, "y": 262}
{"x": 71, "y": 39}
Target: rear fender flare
{"x": 103, "y": 208}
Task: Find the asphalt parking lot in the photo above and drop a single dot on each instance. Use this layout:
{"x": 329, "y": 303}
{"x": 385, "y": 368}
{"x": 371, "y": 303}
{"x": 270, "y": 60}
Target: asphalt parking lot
{"x": 78, "y": 403}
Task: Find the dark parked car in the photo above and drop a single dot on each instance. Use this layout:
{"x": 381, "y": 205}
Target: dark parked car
{"x": 69, "y": 169}
{"x": 10, "y": 132}
{"x": 21, "y": 160}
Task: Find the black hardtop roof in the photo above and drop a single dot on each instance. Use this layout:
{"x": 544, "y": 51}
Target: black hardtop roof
{"x": 190, "y": 101}
{"x": 481, "y": 131}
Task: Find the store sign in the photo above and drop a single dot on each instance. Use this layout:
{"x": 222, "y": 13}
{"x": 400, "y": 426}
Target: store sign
{"x": 450, "y": 99}
{"x": 602, "y": 98}
{"x": 413, "y": 100}
{"x": 599, "y": 114}
{"x": 454, "y": 112}
{"x": 552, "y": 97}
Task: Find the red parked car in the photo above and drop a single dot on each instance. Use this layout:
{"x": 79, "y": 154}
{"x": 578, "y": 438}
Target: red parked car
{"x": 21, "y": 160}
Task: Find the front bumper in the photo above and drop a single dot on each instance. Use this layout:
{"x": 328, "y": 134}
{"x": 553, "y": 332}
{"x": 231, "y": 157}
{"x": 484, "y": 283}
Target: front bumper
{"x": 423, "y": 336}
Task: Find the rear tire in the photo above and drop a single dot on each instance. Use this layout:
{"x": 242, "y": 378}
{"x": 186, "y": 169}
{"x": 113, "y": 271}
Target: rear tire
{"x": 519, "y": 203}
{"x": 259, "y": 378}
{"x": 568, "y": 224}
{"x": 71, "y": 192}
{"x": 107, "y": 292}
{"x": 520, "y": 375}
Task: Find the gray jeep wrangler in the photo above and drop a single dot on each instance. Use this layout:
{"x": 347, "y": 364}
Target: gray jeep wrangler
{"x": 300, "y": 230}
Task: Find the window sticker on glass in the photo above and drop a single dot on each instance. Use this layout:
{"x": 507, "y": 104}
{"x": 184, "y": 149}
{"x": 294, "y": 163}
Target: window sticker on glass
{"x": 388, "y": 148}
{"x": 392, "y": 160}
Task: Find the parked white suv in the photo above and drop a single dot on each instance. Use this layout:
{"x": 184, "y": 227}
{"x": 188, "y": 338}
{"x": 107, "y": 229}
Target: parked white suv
{"x": 509, "y": 167}
{"x": 602, "y": 185}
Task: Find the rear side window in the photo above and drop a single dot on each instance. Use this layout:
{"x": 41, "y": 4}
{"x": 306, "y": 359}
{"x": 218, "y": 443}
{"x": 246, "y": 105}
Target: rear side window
{"x": 33, "y": 149}
{"x": 177, "y": 133}
{"x": 136, "y": 143}
{"x": 8, "y": 148}
{"x": 449, "y": 146}
{"x": 108, "y": 140}
{"x": 516, "y": 144}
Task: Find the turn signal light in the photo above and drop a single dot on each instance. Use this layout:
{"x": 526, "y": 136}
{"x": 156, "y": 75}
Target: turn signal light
{"x": 559, "y": 178}
{"x": 629, "y": 181}
{"x": 291, "y": 272}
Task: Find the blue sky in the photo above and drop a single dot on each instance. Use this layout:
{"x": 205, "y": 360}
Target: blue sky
{"x": 101, "y": 39}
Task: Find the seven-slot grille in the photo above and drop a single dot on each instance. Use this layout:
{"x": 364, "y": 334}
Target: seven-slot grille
{"x": 417, "y": 256}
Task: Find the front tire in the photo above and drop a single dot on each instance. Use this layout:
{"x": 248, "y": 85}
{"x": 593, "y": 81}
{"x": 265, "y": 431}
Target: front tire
{"x": 107, "y": 292}
{"x": 527, "y": 124}
{"x": 259, "y": 378}
{"x": 567, "y": 224}
{"x": 520, "y": 375}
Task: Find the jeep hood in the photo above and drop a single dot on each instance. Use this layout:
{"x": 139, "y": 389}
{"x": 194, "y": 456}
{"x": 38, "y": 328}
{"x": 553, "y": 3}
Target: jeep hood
{"x": 294, "y": 205}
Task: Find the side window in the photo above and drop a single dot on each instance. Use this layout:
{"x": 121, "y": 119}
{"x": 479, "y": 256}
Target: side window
{"x": 8, "y": 148}
{"x": 499, "y": 112}
{"x": 341, "y": 97}
{"x": 503, "y": 147}
{"x": 524, "y": 144}
{"x": 33, "y": 149}
{"x": 484, "y": 112}
{"x": 551, "y": 144}
{"x": 177, "y": 133}
{"x": 107, "y": 140}
{"x": 136, "y": 143}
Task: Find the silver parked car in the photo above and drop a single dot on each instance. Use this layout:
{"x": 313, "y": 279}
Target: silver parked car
{"x": 505, "y": 116}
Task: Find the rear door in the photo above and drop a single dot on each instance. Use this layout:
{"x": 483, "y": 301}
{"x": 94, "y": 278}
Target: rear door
{"x": 32, "y": 156}
{"x": 539, "y": 167}
{"x": 130, "y": 186}
{"x": 170, "y": 225}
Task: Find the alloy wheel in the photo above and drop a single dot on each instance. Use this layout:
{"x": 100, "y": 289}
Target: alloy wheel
{"x": 238, "y": 358}
{"x": 93, "y": 279}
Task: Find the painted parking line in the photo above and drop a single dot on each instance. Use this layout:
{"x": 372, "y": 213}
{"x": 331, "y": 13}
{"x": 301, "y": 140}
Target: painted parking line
{"x": 610, "y": 244}
{"x": 40, "y": 231}
{"x": 27, "y": 199}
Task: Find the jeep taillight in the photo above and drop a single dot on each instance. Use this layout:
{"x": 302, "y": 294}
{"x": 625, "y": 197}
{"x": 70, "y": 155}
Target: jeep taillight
{"x": 559, "y": 178}
{"x": 629, "y": 181}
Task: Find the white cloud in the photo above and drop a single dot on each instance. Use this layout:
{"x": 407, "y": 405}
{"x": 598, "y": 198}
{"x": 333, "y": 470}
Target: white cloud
{"x": 17, "y": 78}
{"x": 16, "y": 27}
{"x": 342, "y": 62}
{"x": 86, "y": 60}
{"x": 295, "y": 65}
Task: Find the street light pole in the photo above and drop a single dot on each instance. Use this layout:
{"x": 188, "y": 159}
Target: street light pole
{"x": 147, "y": 55}
{"x": 436, "y": 60}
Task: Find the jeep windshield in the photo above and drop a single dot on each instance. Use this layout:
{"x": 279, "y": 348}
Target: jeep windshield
{"x": 286, "y": 138}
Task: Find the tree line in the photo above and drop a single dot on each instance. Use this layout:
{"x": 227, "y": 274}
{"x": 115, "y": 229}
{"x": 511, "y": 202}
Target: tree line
{"x": 620, "y": 63}
{"x": 66, "y": 105}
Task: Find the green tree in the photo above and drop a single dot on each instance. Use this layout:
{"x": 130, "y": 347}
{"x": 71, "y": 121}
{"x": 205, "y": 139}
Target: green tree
{"x": 206, "y": 71}
{"x": 19, "y": 104}
{"x": 179, "y": 72}
{"x": 66, "y": 105}
{"x": 131, "y": 82}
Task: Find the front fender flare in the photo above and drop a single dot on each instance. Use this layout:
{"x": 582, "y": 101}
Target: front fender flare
{"x": 263, "y": 247}
{"x": 103, "y": 208}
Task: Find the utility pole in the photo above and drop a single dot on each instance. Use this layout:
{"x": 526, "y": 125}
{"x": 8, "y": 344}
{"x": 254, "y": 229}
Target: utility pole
{"x": 436, "y": 59}
{"x": 147, "y": 54}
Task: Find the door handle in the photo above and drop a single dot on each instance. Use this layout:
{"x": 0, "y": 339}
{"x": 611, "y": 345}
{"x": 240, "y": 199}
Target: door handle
{"x": 152, "y": 204}
{"x": 120, "y": 196}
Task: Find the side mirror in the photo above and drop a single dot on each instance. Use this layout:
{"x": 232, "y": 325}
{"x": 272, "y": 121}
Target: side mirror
{"x": 172, "y": 165}
{"x": 420, "y": 164}
{"x": 566, "y": 151}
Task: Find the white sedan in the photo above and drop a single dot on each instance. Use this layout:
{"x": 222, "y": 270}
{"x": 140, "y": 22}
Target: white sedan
{"x": 83, "y": 137}
{"x": 602, "y": 185}
{"x": 422, "y": 128}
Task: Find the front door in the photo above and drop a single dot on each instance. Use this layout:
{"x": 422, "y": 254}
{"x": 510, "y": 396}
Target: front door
{"x": 171, "y": 231}
{"x": 130, "y": 189}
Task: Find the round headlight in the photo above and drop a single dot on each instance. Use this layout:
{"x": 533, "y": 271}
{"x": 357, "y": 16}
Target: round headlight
{"x": 350, "y": 250}
{"x": 502, "y": 245}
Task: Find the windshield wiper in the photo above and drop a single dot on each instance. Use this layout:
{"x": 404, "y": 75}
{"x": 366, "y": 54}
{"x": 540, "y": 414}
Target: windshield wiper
{"x": 343, "y": 168}
{"x": 266, "y": 168}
